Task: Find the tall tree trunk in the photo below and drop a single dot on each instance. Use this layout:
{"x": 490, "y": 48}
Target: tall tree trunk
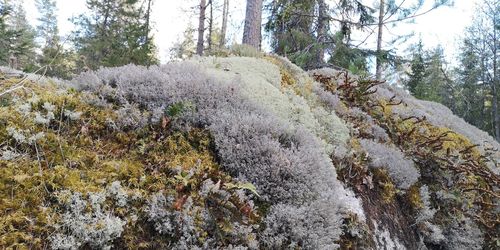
{"x": 210, "y": 24}
{"x": 321, "y": 30}
{"x": 379, "y": 40}
{"x": 201, "y": 28}
{"x": 495, "y": 114}
{"x": 225, "y": 14}
{"x": 253, "y": 22}
{"x": 146, "y": 31}
{"x": 496, "y": 83}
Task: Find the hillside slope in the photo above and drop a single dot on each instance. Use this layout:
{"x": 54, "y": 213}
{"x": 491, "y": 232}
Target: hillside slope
{"x": 236, "y": 153}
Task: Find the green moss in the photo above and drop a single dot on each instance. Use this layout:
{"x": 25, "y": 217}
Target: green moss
{"x": 384, "y": 182}
{"x": 85, "y": 155}
{"x": 414, "y": 199}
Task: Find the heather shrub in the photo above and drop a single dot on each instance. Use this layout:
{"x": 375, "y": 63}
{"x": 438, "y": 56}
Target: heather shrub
{"x": 286, "y": 160}
{"x": 245, "y": 50}
{"x": 332, "y": 101}
{"x": 401, "y": 170}
{"x": 261, "y": 82}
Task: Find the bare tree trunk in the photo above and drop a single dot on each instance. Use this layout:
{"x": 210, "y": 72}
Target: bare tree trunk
{"x": 321, "y": 32}
{"x": 495, "y": 84}
{"x": 495, "y": 114}
{"x": 210, "y": 24}
{"x": 146, "y": 31}
{"x": 201, "y": 28}
{"x": 13, "y": 62}
{"x": 225, "y": 14}
{"x": 253, "y": 22}
{"x": 379, "y": 40}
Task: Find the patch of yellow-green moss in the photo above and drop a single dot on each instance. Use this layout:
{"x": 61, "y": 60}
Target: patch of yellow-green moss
{"x": 85, "y": 155}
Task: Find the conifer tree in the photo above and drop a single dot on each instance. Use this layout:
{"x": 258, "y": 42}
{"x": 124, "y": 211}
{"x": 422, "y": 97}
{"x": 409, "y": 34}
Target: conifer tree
{"x": 225, "y": 16}
{"x": 480, "y": 60}
{"x": 200, "y": 45}
{"x": 253, "y": 21}
{"x": 55, "y": 60}
{"x": 417, "y": 73}
{"x": 394, "y": 12}
{"x": 21, "y": 42}
{"x": 6, "y": 44}
{"x": 115, "y": 32}
{"x": 301, "y": 30}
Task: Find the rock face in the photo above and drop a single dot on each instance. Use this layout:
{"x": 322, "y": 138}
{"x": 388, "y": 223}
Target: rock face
{"x": 236, "y": 153}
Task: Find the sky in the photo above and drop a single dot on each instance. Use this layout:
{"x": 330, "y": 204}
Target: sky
{"x": 171, "y": 17}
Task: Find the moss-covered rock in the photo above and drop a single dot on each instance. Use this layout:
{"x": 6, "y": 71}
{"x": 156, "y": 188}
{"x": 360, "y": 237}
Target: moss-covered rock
{"x": 238, "y": 152}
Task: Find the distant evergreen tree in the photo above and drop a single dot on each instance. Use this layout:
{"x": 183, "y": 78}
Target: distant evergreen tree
{"x": 427, "y": 79}
{"x": 417, "y": 73}
{"x": 184, "y": 47}
{"x": 47, "y": 29}
{"x": 479, "y": 68}
{"x": 115, "y": 32}
{"x": 7, "y": 35}
{"x": 291, "y": 27}
{"x": 20, "y": 37}
{"x": 472, "y": 103}
{"x": 56, "y": 60}
{"x": 435, "y": 86}
{"x": 393, "y": 12}
{"x": 301, "y": 31}
{"x": 348, "y": 57}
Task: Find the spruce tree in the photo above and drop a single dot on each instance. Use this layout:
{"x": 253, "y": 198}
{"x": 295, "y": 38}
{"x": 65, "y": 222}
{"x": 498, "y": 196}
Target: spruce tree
{"x": 417, "y": 74}
{"x": 114, "y": 33}
{"x": 8, "y": 35}
{"x": 480, "y": 60}
{"x": 394, "y": 12}
{"x": 55, "y": 60}
{"x": 21, "y": 41}
{"x": 301, "y": 30}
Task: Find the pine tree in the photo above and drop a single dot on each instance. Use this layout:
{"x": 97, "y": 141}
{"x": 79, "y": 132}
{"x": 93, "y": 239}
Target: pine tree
{"x": 253, "y": 21}
{"x": 417, "y": 73}
{"x": 55, "y": 60}
{"x": 292, "y": 33}
{"x": 8, "y": 35}
{"x": 225, "y": 16}
{"x": 300, "y": 30}
{"x": 22, "y": 40}
{"x": 394, "y": 12}
{"x": 185, "y": 47}
{"x": 481, "y": 62}
{"x": 47, "y": 29}
{"x": 114, "y": 33}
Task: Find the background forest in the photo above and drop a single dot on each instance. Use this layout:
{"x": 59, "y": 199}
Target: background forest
{"x": 311, "y": 33}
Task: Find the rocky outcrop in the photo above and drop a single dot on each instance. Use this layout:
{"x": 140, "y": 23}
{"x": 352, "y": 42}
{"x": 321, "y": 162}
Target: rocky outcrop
{"x": 239, "y": 152}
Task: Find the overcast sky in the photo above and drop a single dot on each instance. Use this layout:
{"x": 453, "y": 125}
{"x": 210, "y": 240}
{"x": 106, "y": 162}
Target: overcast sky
{"x": 440, "y": 27}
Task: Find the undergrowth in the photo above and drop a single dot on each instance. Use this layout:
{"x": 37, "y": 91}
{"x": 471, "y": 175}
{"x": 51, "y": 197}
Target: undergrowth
{"x": 58, "y": 151}
{"x": 449, "y": 163}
